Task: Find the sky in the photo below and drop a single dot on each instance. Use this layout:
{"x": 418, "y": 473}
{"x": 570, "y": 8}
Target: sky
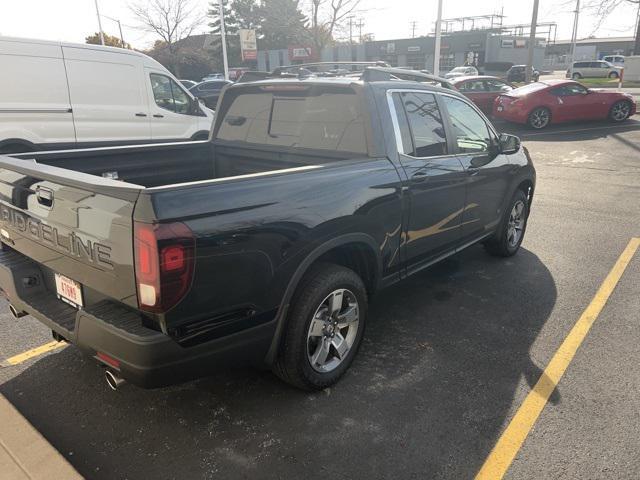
{"x": 73, "y": 20}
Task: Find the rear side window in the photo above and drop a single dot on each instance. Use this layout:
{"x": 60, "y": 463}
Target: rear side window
{"x": 169, "y": 95}
{"x": 425, "y": 124}
{"x": 322, "y": 118}
{"x": 472, "y": 86}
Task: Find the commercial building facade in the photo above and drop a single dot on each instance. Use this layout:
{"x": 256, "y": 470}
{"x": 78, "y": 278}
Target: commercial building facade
{"x": 558, "y": 55}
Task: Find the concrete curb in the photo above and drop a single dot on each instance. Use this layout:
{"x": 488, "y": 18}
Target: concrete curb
{"x": 24, "y": 452}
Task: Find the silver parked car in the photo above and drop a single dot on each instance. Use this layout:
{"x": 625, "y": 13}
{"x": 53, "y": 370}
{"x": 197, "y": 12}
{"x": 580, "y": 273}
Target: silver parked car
{"x": 594, "y": 69}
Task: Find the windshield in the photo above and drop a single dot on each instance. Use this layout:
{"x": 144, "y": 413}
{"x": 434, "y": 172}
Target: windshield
{"x": 459, "y": 69}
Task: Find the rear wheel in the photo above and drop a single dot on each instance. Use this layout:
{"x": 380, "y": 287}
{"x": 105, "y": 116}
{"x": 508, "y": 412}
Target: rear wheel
{"x": 539, "y": 118}
{"x": 613, "y": 75}
{"x": 510, "y": 233}
{"x": 620, "y": 111}
{"x": 324, "y": 329}
{"x": 576, "y": 76}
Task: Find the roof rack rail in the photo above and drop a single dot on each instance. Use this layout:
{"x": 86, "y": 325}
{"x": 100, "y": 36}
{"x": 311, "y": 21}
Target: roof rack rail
{"x": 307, "y": 66}
{"x": 372, "y": 74}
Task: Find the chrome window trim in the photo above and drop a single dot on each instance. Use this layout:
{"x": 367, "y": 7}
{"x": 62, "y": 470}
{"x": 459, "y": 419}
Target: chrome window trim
{"x": 396, "y": 125}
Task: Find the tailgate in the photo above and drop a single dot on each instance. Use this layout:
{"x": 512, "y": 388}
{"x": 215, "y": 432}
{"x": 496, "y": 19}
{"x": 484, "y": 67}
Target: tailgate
{"x": 73, "y": 224}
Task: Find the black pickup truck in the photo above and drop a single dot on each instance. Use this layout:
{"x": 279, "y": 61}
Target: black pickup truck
{"x": 262, "y": 245}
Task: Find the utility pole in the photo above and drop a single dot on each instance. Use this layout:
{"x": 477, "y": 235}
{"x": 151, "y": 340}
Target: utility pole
{"x": 636, "y": 44}
{"x": 413, "y": 29}
{"x": 223, "y": 39}
{"x": 351, "y": 30}
{"x": 360, "y": 24}
{"x": 436, "y": 53}
{"x": 574, "y": 38}
{"x": 119, "y": 28}
{"x": 99, "y": 23}
{"x": 532, "y": 42}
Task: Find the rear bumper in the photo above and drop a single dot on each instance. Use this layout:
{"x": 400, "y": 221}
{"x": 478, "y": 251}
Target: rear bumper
{"x": 146, "y": 357}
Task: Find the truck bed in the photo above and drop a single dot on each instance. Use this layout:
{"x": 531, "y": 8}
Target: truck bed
{"x": 173, "y": 163}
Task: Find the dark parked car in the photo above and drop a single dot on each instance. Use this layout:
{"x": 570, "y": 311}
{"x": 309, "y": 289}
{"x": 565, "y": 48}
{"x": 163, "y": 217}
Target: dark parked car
{"x": 556, "y": 101}
{"x": 209, "y": 91}
{"x": 517, "y": 73}
{"x": 264, "y": 245}
{"x": 482, "y": 90}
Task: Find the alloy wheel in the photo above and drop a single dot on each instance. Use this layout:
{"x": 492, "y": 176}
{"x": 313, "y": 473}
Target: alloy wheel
{"x": 620, "y": 111}
{"x": 515, "y": 226}
{"x": 333, "y": 330}
{"x": 540, "y": 118}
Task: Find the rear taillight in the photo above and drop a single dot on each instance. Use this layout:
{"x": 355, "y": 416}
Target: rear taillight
{"x": 164, "y": 258}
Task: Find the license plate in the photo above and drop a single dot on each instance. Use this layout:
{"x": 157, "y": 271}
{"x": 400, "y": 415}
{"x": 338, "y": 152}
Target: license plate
{"x": 500, "y": 108}
{"x": 69, "y": 291}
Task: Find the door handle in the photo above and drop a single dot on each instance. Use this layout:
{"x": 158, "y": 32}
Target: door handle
{"x": 140, "y": 114}
{"x": 419, "y": 176}
{"x": 157, "y": 115}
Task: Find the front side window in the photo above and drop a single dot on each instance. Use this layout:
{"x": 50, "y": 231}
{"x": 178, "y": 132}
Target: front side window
{"x": 169, "y": 95}
{"x": 425, "y": 124}
{"x": 470, "y": 130}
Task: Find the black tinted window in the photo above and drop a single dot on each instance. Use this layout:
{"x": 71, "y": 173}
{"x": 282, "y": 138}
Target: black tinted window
{"x": 403, "y": 126}
{"x": 426, "y": 124}
{"x": 295, "y": 116}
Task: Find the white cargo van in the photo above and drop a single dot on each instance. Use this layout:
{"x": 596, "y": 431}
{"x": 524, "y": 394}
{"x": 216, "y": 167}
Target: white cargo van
{"x": 57, "y": 95}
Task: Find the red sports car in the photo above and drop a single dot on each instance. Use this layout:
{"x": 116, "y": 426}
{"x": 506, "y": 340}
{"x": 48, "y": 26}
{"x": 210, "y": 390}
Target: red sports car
{"x": 482, "y": 90}
{"x": 554, "y": 101}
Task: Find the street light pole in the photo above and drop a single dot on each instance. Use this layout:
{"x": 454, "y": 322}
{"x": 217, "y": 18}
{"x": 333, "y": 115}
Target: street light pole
{"x": 574, "y": 38}
{"x": 436, "y": 53}
{"x": 99, "y": 23}
{"x": 121, "y": 36}
{"x": 532, "y": 42}
{"x": 223, "y": 39}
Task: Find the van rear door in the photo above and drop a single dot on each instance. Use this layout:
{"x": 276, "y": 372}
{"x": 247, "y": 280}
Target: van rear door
{"x": 34, "y": 99}
{"x": 107, "y": 94}
{"x": 77, "y": 227}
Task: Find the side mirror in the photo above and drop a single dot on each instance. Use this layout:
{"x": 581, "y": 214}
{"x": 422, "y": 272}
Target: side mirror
{"x": 508, "y": 144}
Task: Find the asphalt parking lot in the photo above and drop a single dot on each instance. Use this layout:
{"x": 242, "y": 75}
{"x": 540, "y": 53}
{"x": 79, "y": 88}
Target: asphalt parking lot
{"x": 448, "y": 358}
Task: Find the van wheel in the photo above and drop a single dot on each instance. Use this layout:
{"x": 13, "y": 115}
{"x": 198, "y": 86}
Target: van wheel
{"x": 324, "y": 328}
{"x": 576, "y": 76}
{"x": 539, "y": 118}
{"x": 510, "y": 233}
{"x": 613, "y": 75}
{"x": 620, "y": 111}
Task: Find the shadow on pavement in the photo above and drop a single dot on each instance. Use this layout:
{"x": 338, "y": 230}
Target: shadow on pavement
{"x": 569, "y": 132}
{"x": 444, "y": 355}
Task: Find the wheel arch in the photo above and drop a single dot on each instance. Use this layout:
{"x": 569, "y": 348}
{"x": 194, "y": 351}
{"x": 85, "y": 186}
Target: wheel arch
{"x": 357, "y": 251}
{"x": 28, "y": 146}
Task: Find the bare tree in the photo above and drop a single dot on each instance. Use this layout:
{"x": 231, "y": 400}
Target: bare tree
{"x": 171, "y": 20}
{"x": 601, "y": 9}
{"x": 326, "y": 16}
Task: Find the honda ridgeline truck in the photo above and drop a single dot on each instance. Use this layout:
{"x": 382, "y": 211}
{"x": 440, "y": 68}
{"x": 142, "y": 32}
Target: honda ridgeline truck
{"x": 263, "y": 244}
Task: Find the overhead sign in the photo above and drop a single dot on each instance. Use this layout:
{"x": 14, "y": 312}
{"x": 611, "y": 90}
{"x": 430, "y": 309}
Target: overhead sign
{"x": 248, "y": 44}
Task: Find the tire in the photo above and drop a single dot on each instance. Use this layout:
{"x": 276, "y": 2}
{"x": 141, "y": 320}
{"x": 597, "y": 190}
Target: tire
{"x": 502, "y": 244}
{"x": 295, "y": 363}
{"x": 576, "y": 76}
{"x": 539, "y": 118}
{"x": 620, "y": 111}
{"x": 613, "y": 75}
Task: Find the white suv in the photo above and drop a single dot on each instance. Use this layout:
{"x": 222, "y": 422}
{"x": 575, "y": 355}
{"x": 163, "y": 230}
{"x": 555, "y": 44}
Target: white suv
{"x": 594, "y": 69}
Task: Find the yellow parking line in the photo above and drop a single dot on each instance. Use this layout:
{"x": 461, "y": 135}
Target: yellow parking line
{"x": 509, "y": 443}
{"x": 34, "y": 352}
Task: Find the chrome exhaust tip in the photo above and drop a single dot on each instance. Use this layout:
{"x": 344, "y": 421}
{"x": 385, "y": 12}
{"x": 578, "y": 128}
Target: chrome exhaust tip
{"x": 113, "y": 380}
{"x": 16, "y": 314}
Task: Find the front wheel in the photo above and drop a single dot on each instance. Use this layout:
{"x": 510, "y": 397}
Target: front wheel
{"x": 576, "y": 76}
{"x": 620, "y": 111}
{"x": 510, "y": 233}
{"x": 539, "y": 118}
{"x": 324, "y": 329}
{"x": 613, "y": 75}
